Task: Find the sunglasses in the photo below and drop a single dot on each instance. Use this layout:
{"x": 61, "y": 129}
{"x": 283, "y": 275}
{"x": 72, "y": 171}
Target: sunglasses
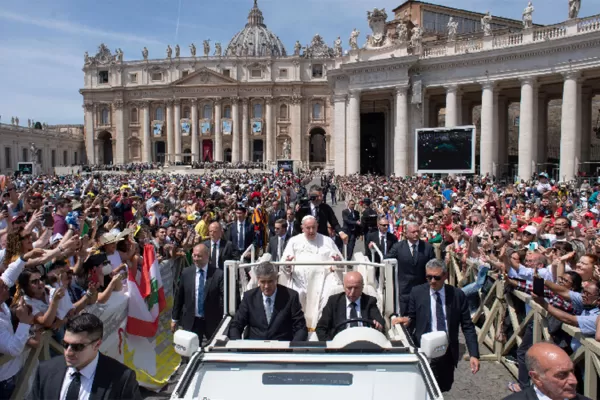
{"x": 76, "y": 347}
{"x": 384, "y": 225}
{"x": 433, "y": 277}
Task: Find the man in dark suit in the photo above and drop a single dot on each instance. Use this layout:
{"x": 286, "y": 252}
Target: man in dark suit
{"x": 322, "y": 212}
{"x": 198, "y": 306}
{"x": 276, "y": 214}
{"x": 435, "y": 306}
{"x": 552, "y": 375}
{"x": 271, "y": 311}
{"x": 241, "y": 234}
{"x": 412, "y": 255}
{"x": 221, "y": 250}
{"x": 382, "y": 238}
{"x": 352, "y": 226}
{"x": 83, "y": 372}
{"x": 353, "y": 303}
{"x": 279, "y": 240}
{"x": 290, "y": 218}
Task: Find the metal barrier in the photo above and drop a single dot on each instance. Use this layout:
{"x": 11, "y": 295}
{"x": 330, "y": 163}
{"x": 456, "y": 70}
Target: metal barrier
{"x": 494, "y": 307}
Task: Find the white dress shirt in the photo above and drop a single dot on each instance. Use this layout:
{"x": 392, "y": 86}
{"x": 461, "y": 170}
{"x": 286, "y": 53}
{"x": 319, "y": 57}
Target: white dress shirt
{"x": 87, "y": 379}
{"x": 349, "y": 308}
{"x": 540, "y": 395}
{"x": 383, "y": 239}
{"x": 280, "y": 246}
{"x": 442, "y": 292}
{"x": 205, "y": 269}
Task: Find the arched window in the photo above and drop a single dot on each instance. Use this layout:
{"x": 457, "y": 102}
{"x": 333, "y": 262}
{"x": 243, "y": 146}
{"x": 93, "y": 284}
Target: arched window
{"x": 134, "y": 115}
{"x": 227, "y": 112}
{"x": 207, "y": 112}
{"x": 159, "y": 114}
{"x": 186, "y": 112}
{"x": 104, "y": 116}
{"x": 257, "y": 110}
{"x": 283, "y": 111}
{"x": 317, "y": 111}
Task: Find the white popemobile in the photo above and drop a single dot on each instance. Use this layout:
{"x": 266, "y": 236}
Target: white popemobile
{"x": 359, "y": 363}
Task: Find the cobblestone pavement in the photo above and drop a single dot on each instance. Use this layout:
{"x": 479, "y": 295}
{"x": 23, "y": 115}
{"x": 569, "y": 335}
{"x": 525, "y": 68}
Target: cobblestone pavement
{"x": 489, "y": 383}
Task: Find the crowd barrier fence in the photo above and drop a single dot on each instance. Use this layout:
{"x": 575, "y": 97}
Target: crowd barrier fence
{"x": 153, "y": 359}
{"x": 491, "y": 316}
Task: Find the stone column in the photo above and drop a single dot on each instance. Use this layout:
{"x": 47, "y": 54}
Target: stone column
{"x": 270, "y": 132}
{"x": 526, "y": 127}
{"x": 586, "y": 127}
{"x": 452, "y": 99}
{"x": 339, "y": 104}
{"x": 218, "y": 155}
{"x": 235, "y": 129}
{"x": 146, "y": 139}
{"x": 177, "y": 126}
{"x": 542, "y": 131}
{"x": 245, "y": 136}
{"x": 296, "y": 127}
{"x": 90, "y": 150}
{"x": 353, "y": 134}
{"x": 120, "y": 156}
{"x": 195, "y": 138}
{"x": 488, "y": 141}
{"x": 569, "y": 127}
{"x": 502, "y": 135}
{"x": 170, "y": 135}
{"x": 401, "y": 133}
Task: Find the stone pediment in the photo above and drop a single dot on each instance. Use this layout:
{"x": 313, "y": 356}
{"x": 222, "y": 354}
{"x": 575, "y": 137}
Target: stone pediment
{"x": 204, "y": 76}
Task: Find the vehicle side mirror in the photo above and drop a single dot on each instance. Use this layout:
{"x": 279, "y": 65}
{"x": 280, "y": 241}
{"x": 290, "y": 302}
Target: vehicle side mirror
{"x": 434, "y": 344}
{"x": 186, "y": 343}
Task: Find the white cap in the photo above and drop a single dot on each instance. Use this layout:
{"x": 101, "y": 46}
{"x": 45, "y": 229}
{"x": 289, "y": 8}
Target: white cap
{"x": 55, "y": 238}
{"x": 531, "y": 229}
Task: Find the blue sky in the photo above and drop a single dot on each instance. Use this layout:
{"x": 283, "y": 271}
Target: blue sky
{"x": 42, "y": 42}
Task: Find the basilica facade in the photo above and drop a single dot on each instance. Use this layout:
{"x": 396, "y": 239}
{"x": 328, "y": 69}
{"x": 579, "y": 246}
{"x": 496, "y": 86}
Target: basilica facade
{"x": 354, "y": 107}
{"x": 248, "y": 101}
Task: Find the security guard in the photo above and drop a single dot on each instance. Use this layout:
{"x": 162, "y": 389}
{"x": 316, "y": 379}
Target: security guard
{"x": 368, "y": 220}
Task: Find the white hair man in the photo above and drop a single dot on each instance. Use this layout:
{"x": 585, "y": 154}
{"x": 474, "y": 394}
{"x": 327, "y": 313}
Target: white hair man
{"x": 311, "y": 246}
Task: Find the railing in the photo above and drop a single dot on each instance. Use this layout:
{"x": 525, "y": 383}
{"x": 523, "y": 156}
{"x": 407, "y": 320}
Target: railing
{"x": 469, "y": 46}
{"x": 437, "y": 51}
{"x": 589, "y": 24}
{"x": 495, "y": 306}
{"x": 549, "y": 32}
{"x": 509, "y": 40}
{"x": 35, "y": 356}
{"x": 44, "y": 132}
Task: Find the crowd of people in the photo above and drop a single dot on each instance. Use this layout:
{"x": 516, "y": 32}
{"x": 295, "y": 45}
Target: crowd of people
{"x": 69, "y": 241}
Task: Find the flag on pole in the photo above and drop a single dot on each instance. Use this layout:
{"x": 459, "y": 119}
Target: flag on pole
{"x": 146, "y": 299}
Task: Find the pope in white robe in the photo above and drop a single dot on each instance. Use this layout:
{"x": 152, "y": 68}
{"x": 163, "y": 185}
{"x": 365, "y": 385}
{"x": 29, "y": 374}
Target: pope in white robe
{"x": 313, "y": 283}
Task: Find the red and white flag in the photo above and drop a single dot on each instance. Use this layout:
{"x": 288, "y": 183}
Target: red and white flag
{"x": 146, "y": 299}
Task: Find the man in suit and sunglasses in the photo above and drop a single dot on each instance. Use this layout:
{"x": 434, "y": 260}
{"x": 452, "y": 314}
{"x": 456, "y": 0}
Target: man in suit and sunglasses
{"x": 382, "y": 238}
{"x": 435, "y": 306}
{"x": 83, "y": 372}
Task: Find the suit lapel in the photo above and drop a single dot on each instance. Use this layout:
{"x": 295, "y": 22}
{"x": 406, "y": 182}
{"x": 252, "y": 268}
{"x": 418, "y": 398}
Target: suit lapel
{"x": 209, "y": 275}
{"x": 56, "y": 383}
{"x": 449, "y": 302}
{"x": 280, "y": 301}
{"x": 427, "y": 304}
{"x": 101, "y": 380}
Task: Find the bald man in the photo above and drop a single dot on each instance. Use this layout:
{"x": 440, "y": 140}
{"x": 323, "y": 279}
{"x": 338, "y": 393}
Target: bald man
{"x": 220, "y": 249}
{"x": 350, "y": 305}
{"x": 198, "y": 305}
{"x": 551, "y": 373}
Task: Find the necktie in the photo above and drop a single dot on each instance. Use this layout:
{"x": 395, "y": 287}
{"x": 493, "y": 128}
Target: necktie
{"x": 414, "y": 252}
{"x": 279, "y": 248}
{"x": 240, "y": 236}
{"x": 200, "y": 294}
{"x": 213, "y": 256}
{"x": 268, "y": 309}
{"x": 74, "y": 387}
{"x": 353, "y": 314}
{"x": 439, "y": 313}
{"x": 290, "y": 228}
{"x": 384, "y": 244}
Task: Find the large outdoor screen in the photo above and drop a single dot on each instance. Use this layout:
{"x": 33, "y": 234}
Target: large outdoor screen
{"x": 445, "y": 150}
